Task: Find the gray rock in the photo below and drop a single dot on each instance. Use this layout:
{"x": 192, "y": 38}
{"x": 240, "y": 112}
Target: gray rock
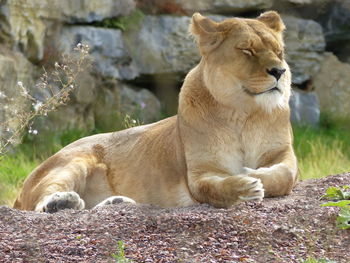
{"x": 305, "y": 108}
{"x": 297, "y": 2}
{"x": 68, "y": 11}
{"x": 336, "y": 22}
{"x": 66, "y": 117}
{"x": 22, "y": 29}
{"x": 336, "y": 27}
{"x": 139, "y": 103}
{"x": 24, "y": 24}
{"x": 163, "y": 45}
{"x": 332, "y": 85}
{"x": 14, "y": 67}
{"x": 304, "y": 47}
{"x": 332, "y": 15}
{"x": 118, "y": 99}
{"x": 107, "y": 48}
{"x": 86, "y": 11}
{"x": 85, "y": 91}
{"x": 107, "y": 108}
{"x": 224, "y": 6}
{"x": 308, "y": 9}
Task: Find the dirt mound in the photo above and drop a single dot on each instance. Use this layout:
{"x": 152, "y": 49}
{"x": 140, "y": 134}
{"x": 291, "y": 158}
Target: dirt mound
{"x": 277, "y": 230}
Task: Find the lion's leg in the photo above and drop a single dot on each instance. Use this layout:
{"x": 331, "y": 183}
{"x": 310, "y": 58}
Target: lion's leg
{"x": 223, "y": 190}
{"x": 279, "y": 175}
{"x": 60, "y": 188}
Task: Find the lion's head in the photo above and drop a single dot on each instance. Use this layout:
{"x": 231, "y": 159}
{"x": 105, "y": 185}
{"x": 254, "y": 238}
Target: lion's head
{"x": 243, "y": 60}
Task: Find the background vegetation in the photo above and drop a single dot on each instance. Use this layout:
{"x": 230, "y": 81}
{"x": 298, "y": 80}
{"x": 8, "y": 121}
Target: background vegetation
{"x": 325, "y": 150}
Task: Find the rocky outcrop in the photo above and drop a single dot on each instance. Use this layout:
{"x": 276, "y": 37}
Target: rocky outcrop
{"x": 305, "y": 108}
{"x": 332, "y": 15}
{"x": 119, "y": 99}
{"x": 332, "y": 85}
{"x": 307, "y": 9}
{"x": 78, "y": 11}
{"x": 108, "y": 49}
{"x": 224, "y": 6}
{"x": 84, "y": 11}
{"x": 25, "y": 27}
{"x": 103, "y": 108}
{"x": 14, "y": 67}
{"x": 156, "y": 51}
{"x": 304, "y": 47}
{"x": 24, "y": 24}
{"x": 139, "y": 103}
{"x": 22, "y": 29}
{"x": 336, "y": 22}
{"x": 163, "y": 45}
{"x": 336, "y": 27}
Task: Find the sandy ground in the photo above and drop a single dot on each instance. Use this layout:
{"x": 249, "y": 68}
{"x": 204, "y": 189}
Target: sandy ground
{"x": 284, "y": 229}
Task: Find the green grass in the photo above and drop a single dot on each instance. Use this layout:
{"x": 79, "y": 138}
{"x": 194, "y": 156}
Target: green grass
{"x": 320, "y": 152}
{"x": 13, "y": 170}
{"x": 325, "y": 150}
{"x": 119, "y": 256}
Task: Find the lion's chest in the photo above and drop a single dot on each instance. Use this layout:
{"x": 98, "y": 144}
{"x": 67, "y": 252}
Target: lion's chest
{"x": 244, "y": 149}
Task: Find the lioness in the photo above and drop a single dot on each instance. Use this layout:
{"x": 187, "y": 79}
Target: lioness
{"x": 230, "y": 142}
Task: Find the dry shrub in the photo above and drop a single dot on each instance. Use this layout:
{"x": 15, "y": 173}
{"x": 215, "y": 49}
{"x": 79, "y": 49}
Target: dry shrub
{"x": 57, "y": 84}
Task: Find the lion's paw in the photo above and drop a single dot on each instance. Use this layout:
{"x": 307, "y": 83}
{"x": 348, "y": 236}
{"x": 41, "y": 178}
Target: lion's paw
{"x": 62, "y": 200}
{"x": 252, "y": 190}
{"x": 117, "y": 199}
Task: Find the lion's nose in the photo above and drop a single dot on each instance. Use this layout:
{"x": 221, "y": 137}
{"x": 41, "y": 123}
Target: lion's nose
{"x": 276, "y": 72}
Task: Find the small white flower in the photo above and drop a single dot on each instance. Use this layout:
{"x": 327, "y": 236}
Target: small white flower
{"x": 35, "y": 132}
{"x": 37, "y": 106}
{"x": 11, "y": 141}
{"x": 24, "y": 91}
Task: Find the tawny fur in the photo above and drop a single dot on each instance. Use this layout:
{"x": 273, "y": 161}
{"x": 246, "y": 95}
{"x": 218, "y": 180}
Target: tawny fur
{"x": 226, "y": 135}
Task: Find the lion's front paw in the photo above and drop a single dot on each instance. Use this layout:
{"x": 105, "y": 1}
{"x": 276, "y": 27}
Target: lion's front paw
{"x": 62, "y": 200}
{"x": 115, "y": 200}
{"x": 252, "y": 189}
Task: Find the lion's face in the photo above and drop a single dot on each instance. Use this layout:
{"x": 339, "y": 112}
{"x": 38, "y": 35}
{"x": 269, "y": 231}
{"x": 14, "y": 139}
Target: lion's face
{"x": 243, "y": 60}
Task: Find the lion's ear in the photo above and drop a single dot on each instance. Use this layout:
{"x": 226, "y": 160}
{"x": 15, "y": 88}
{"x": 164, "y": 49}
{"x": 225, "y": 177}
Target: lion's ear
{"x": 206, "y": 32}
{"x": 273, "y": 20}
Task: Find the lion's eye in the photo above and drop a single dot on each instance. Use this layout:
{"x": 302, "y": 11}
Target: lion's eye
{"x": 248, "y": 52}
